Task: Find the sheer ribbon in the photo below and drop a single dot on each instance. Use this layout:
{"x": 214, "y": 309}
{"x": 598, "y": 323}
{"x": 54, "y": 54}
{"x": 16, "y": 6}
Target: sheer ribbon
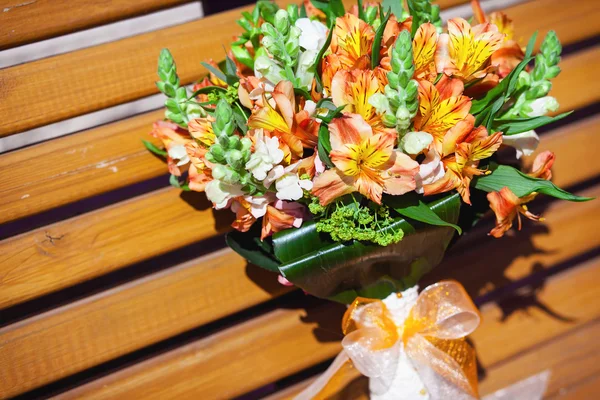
{"x": 432, "y": 336}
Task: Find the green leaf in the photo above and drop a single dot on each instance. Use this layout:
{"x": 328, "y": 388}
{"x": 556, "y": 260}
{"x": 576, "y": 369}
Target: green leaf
{"x": 521, "y": 184}
{"x": 218, "y": 73}
{"x": 531, "y": 45}
{"x": 503, "y": 89}
{"x": 331, "y": 8}
{"x": 411, "y": 206}
{"x": 361, "y": 11}
{"x": 302, "y": 92}
{"x": 324, "y": 146}
{"x": 243, "y": 55}
{"x": 342, "y": 271}
{"x": 316, "y": 67}
{"x": 174, "y": 181}
{"x": 249, "y": 246}
{"x": 241, "y": 118}
{"x": 150, "y": 146}
{"x": 518, "y": 125}
{"x": 231, "y": 71}
{"x": 377, "y": 41}
{"x": 395, "y": 6}
{"x": 207, "y": 90}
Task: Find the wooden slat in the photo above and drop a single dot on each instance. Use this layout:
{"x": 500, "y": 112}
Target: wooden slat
{"x": 125, "y": 70}
{"x": 122, "y": 320}
{"x": 78, "y": 166}
{"x": 268, "y": 348}
{"x": 93, "y": 244}
{"x": 26, "y": 21}
{"x": 127, "y": 318}
{"x": 571, "y": 359}
{"x": 585, "y": 390}
{"x": 30, "y": 268}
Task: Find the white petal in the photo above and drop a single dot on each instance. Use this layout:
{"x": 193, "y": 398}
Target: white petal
{"x": 525, "y": 143}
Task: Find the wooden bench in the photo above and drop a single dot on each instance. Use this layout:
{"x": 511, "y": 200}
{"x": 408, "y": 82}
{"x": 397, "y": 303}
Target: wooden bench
{"x": 114, "y": 285}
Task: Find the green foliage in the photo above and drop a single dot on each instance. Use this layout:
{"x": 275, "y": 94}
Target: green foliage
{"x": 519, "y": 125}
{"x": 423, "y": 11}
{"x": 281, "y": 40}
{"x": 152, "y": 148}
{"x": 331, "y": 8}
{"x": 179, "y": 109}
{"x": 359, "y": 222}
{"x": 317, "y": 66}
{"x": 176, "y": 183}
{"x": 256, "y": 251}
{"x": 534, "y": 85}
{"x": 395, "y": 6}
{"x": 520, "y": 184}
{"x": 411, "y": 206}
{"x": 249, "y": 22}
{"x": 375, "y": 54}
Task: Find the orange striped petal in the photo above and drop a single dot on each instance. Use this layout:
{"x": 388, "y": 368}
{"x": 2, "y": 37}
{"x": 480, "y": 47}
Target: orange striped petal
{"x": 400, "y": 177}
{"x": 330, "y": 185}
{"x": 348, "y": 129}
{"x": 202, "y": 130}
{"x": 347, "y": 159}
{"x": 274, "y": 221}
{"x": 450, "y": 181}
{"x": 331, "y": 64}
{"x": 505, "y": 25}
{"x": 268, "y": 118}
{"x": 505, "y": 205}
{"x": 369, "y": 183}
{"x": 424, "y": 46}
{"x": 352, "y": 39}
{"x": 482, "y": 149}
{"x": 353, "y": 89}
{"x": 377, "y": 150}
{"x": 283, "y": 94}
{"x": 542, "y": 165}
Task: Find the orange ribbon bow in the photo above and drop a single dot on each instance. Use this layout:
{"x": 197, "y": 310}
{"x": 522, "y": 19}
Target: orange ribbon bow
{"x": 431, "y": 333}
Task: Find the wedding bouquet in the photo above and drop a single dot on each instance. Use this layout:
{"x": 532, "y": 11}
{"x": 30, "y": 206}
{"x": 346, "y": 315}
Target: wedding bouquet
{"x": 353, "y": 146}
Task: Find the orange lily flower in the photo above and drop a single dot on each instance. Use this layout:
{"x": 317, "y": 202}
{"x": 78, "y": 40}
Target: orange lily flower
{"x": 506, "y": 205}
{"x": 365, "y": 162}
{"x": 464, "y": 51}
{"x": 441, "y": 107}
{"x": 295, "y": 129}
{"x": 462, "y": 149}
{"x": 243, "y": 216}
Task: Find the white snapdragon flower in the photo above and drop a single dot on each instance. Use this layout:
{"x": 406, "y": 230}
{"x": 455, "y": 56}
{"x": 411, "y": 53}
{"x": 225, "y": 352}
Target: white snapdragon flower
{"x": 266, "y": 155}
{"x": 431, "y": 170}
{"x": 221, "y": 193}
{"x": 178, "y": 152}
{"x": 313, "y": 34}
{"x": 525, "y": 143}
{"x": 415, "y": 142}
{"x": 288, "y": 184}
{"x": 541, "y": 106}
{"x": 267, "y": 68}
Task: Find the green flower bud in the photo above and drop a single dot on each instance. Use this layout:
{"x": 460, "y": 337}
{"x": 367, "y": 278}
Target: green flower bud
{"x": 219, "y": 172}
{"x": 234, "y": 143}
{"x": 217, "y": 152}
{"x": 282, "y": 22}
{"x": 235, "y": 159}
{"x": 246, "y": 143}
{"x": 389, "y": 120}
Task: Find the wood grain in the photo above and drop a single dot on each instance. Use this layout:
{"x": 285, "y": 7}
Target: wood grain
{"x": 29, "y": 21}
{"x": 102, "y": 327}
{"x": 95, "y": 243}
{"x": 206, "y": 367}
{"x": 119, "y": 321}
{"x": 122, "y": 71}
{"x": 78, "y": 166}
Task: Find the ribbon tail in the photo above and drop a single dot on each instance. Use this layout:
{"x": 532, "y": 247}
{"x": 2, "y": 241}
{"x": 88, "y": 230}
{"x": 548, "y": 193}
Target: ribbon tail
{"x": 336, "y": 371}
{"x": 532, "y": 388}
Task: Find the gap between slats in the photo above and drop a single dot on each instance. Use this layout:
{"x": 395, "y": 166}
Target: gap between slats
{"x": 173, "y": 301}
{"x": 127, "y": 61}
{"x": 269, "y": 347}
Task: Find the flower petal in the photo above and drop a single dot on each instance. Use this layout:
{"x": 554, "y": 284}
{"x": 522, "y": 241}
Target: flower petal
{"x": 525, "y": 143}
{"x": 542, "y": 165}
{"x": 348, "y": 129}
{"x": 330, "y": 185}
{"x": 400, "y": 177}
{"x": 504, "y": 204}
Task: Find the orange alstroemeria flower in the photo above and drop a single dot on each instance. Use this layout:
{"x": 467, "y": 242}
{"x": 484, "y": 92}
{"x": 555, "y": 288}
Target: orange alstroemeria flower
{"x": 506, "y": 205}
{"x": 351, "y": 45}
{"x": 172, "y": 136}
{"x": 201, "y": 129}
{"x": 353, "y": 89}
{"x": 200, "y": 171}
{"x": 462, "y": 149}
{"x": 274, "y": 221}
{"x": 294, "y": 129}
{"x": 365, "y": 162}
{"x": 441, "y": 107}
{"x": 464, "y": 51}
